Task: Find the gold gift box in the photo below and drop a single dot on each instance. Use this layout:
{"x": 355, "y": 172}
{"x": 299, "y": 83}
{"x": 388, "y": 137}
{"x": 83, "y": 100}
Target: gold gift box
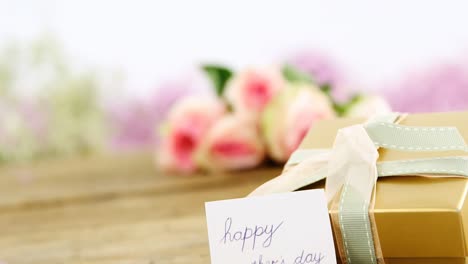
{"x": 418, "y": 219}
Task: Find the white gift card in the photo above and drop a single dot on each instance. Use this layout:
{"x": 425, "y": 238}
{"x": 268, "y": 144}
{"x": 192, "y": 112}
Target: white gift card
{"x": 287, "y": 228}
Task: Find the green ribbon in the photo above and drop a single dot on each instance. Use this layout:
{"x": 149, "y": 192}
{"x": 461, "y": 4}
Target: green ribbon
{"x": 408, "y": 138}
{"x": 437, "y": 166}
{"x": 354, "y": 208}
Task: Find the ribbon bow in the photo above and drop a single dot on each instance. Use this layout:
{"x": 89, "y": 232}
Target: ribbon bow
{"x": 351, "y": 166}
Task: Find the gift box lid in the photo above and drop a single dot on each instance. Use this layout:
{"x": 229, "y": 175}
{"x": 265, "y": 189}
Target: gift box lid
{"x": 416, "y": 217}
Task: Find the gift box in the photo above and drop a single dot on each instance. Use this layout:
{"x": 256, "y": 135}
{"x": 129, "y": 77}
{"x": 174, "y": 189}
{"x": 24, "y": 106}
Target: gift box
{"x": 416, "y": 219}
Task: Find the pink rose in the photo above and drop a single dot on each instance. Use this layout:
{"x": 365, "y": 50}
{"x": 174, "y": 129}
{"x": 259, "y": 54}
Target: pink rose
{"x": 251, "y": 90}
{"x": 289, "y": 116}
{"x": 233, "y": 143}
{"x": 187, "y": 125}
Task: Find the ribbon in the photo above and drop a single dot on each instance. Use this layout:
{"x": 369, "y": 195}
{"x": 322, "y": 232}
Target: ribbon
{"x": 351, "y": 167}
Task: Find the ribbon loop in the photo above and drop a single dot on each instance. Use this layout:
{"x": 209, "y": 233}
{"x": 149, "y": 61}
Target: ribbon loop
{"x": 353, "y": 161}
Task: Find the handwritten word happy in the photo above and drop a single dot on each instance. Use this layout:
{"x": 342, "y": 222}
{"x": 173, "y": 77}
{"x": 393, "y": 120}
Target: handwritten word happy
{"x": 249, "y": 234}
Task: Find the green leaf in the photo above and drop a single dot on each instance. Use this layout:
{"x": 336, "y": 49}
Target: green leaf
{"x": 326, "y": 89}
{"x": 341, "y": 109}
{"x": 219, "y": 75}
{"x": 295, "y": 75}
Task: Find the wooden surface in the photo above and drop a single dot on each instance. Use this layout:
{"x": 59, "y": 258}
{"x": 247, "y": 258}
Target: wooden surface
{"x": 110, "y": 210}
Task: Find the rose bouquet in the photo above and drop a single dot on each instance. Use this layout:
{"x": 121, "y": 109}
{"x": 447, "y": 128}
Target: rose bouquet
{"x": 254, "y": 115}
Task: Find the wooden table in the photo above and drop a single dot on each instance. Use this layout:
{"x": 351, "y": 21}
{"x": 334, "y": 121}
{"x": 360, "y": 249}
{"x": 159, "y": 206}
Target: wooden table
{"x": 110, "y": 210}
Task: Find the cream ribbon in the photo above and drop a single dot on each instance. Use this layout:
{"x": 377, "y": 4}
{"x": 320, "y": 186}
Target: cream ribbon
{"x": 351, "y": 166}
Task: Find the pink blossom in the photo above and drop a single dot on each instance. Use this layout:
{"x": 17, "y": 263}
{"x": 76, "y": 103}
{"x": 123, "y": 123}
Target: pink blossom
{"x": 251, "y": 90}
{"x": 233, "y": 143}
{"x": 289, "y": 116}
{"x": 187, "y": 125}
{"x": 133, "y": 121}
{"x": 324, "y": 70}
{"x": 439, "y": 88}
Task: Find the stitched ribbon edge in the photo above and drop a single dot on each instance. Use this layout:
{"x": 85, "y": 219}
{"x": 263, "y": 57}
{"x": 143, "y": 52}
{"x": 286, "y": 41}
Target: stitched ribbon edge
{"x": 353, "y": 209}
{"x": 435, "y": 139}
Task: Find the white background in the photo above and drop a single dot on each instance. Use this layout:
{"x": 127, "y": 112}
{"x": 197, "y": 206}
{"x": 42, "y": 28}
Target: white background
{"x": 151, "y": 41}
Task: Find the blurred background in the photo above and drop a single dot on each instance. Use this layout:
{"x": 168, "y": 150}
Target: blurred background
{"x": 103, "y": 102}
{"x": 79, "y": 77}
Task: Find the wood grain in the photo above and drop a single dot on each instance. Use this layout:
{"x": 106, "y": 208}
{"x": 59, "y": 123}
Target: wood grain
{"x": 113, "y": 209}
